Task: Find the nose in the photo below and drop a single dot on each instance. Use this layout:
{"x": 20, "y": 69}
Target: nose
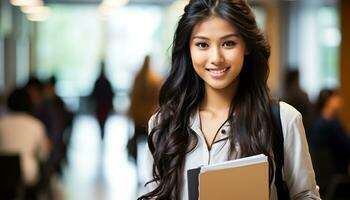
{"x": 217, "y": 57}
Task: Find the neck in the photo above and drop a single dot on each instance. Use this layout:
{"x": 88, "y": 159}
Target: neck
{"x": 218, "y": 101}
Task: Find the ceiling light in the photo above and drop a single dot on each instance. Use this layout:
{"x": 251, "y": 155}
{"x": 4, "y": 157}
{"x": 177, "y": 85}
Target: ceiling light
{"x": 39, "y": 13}
{"x": 25, "y": 2}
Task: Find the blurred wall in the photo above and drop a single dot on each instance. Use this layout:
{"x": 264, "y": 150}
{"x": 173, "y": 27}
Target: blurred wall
{"x": 345, "y": 61}
{"x": 15, "y": 43}
{"x": 273, "y": 31}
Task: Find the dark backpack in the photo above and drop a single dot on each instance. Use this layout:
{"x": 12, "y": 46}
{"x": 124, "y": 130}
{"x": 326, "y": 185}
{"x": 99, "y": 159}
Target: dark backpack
{"x": 278, "y": 151}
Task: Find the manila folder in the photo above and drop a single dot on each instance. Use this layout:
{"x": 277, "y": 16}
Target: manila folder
{"x": 239, "y": 183}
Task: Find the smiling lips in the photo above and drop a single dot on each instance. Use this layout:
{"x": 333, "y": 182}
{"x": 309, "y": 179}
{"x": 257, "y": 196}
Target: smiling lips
{"x": 217, "y": 72}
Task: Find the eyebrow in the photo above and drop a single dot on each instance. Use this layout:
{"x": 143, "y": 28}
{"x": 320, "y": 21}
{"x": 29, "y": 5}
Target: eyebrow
{"x": 224, "y": 37}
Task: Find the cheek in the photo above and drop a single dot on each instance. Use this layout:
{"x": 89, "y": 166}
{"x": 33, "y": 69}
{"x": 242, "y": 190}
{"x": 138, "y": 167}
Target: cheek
{"x": 235, "y": 60}
{"x": 333, "y": 103}
{"x": 198, "y": 58}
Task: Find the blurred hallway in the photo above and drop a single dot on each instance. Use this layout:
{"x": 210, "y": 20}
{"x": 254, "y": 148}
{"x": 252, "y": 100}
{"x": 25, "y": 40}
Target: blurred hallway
{"x": 311, "y": 37}
{"x": 96, "y": 170}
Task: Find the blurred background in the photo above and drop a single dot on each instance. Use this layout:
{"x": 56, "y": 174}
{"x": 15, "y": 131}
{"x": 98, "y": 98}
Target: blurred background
{"x": 91, "y": 70}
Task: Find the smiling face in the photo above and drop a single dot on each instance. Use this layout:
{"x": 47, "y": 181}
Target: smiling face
{"x": 217, "y": 53}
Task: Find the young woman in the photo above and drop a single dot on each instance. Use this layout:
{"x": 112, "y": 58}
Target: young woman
{"x": 215, "y": 104}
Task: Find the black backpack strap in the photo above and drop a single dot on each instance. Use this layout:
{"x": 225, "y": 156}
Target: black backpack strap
{"x": 278, "y": 151}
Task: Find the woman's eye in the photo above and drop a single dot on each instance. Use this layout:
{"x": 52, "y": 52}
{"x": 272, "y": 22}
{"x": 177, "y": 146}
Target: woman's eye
{"x": 202, "y": 45}
{"x": 229, "y": 44}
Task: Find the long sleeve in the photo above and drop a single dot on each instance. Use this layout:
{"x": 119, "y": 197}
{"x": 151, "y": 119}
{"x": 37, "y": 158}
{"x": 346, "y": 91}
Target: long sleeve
{"x": 298, "y": 170}
{"x": 149, "y": 162}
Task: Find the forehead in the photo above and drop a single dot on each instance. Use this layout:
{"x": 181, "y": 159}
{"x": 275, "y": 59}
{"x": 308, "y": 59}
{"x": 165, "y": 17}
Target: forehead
{"x": 214, "y": 27}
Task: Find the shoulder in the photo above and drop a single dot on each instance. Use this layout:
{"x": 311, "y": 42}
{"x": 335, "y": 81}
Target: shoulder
{"x": 33, "y": 125}
{"x": 27, "y": 122}
{"x": 31, "y": 119}
{"x": 291, "y": 120}
{"x": 288, "y": 113}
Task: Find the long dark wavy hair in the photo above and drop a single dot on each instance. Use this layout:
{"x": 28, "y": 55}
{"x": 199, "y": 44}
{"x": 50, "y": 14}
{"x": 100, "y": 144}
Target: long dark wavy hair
{"x": 171, "y": 138}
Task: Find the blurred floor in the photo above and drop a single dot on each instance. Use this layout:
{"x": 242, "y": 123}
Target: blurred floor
{"x": 100, "y": 170}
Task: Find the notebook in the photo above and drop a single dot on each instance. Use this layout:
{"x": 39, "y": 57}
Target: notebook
{"x": 245, "y": 178}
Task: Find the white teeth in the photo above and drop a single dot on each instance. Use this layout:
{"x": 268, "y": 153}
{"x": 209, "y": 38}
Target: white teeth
{"x": 215, "y": 71}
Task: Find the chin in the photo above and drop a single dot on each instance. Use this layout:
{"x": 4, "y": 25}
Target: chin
{"x": 219, "y": 86}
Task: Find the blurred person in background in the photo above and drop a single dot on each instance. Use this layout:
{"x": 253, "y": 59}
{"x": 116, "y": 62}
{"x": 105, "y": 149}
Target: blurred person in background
{"x": 50, "y": 110}
{"x": 329, "y": 142}
{"x": 22, "y": 133}
{"x": 297, "y": 97}
{"x": 63, "y": 117}
{"x": 144, "y": 101}
{"x": 102, "y": 95}
{"x": 58, "y": 122}
{"x": 34, "y": 89}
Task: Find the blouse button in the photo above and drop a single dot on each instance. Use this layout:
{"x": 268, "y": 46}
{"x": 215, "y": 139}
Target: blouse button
{"x": 223, "y": 131}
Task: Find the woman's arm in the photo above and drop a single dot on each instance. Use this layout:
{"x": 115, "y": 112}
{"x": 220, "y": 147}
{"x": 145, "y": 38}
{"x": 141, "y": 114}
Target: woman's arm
{"x": 298, "y": 171}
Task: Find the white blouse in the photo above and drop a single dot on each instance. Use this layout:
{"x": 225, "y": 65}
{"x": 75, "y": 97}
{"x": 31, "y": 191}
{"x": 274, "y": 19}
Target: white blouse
{"x": 297, "y": 170}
